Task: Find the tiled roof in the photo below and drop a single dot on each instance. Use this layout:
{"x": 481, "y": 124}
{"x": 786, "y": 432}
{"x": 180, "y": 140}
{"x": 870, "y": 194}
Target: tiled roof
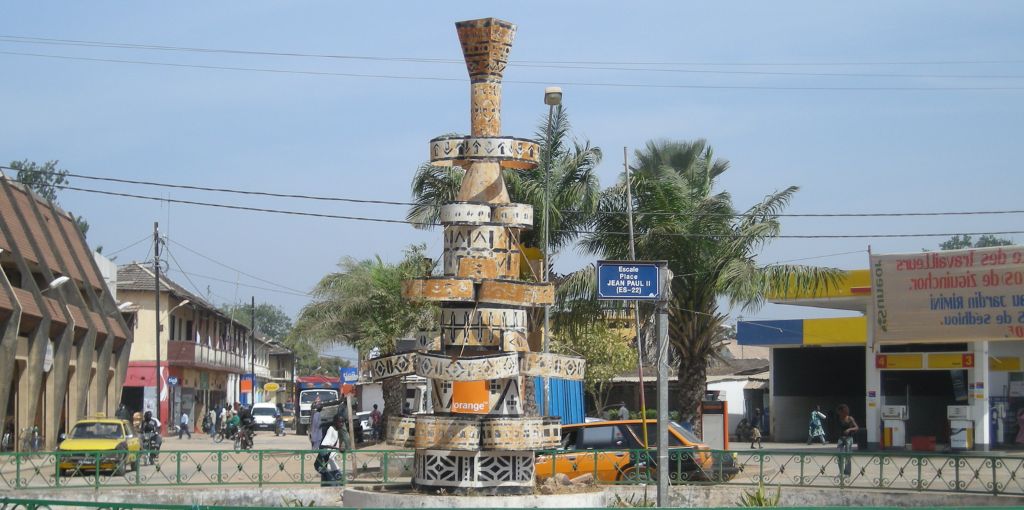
{"x": 135, "y": 276}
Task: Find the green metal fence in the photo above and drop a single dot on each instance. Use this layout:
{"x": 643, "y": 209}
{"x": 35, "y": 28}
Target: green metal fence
{"x": 962, "y": 473}
{"x": 40, "y": 470}
{"x": 44, "y": 504}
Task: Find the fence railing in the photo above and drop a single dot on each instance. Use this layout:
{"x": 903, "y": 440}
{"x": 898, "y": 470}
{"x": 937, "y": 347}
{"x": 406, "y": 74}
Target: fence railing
{"x": 904, "y": 471}
{"x": 101, "y": 469}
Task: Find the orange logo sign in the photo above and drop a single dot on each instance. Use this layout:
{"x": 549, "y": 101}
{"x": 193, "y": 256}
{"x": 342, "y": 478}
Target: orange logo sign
{"x": 470, "y": 397}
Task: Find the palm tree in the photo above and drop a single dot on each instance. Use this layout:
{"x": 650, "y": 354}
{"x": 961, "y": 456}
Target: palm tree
{"x": 710, "y": 249}
{"x": 362, "y": 305}
{"x": 574, "y": 194}
{"x": 574, "y": 186}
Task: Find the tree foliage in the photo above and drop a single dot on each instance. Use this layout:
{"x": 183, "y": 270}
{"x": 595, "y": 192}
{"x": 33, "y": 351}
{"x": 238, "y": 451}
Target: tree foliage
{"x": 46, "y": 180}
{"x": 574, "y": 187}
{"x": 710, "y": 248}
{"x": 362, "y": 305}
{"x": 607, "y": 352}
{"x": 271, "y": 320}
{"x": 960, "y": 242}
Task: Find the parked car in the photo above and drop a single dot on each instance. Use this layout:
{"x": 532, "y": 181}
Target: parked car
{"x": 85, "y": 446}
{"x": 613, "y": 451}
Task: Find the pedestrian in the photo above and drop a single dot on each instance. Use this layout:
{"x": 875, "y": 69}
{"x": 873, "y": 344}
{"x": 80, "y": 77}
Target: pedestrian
{"x": 207, "y": 423}
{"x": 212, "y": 416}
{"x": 815, "y": 430}
{"x": 183, "y": 429}
{"x": 316, "y": 434}
{"x": 849, "y": 427}
{"x": 122, "y": 412}
{"x": 1020, "y": 425}
{"x": 755, "y": 430}
{"x": 623, "y": 411}
{"x": 375, "y": 423}
{"x": 327, "y": 460}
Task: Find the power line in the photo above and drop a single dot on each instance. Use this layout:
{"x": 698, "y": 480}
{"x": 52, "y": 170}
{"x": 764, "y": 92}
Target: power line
{"x": 429, "y": 60}
{"x": 136, "y": 243}
{"x": 518, "y": 82}
{"x": 572, "y": 211}
{"x": 192, "y": 283}
{"x": 211, "y": 189}
{"x": 239, "y": 271}
{"x": 221, "y": 280}
{"x": 384, "y": 220}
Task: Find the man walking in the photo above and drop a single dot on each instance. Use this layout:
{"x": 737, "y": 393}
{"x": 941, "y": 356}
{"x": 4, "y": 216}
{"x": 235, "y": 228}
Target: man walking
{"x": 183, "y": 429}
{"x": 316, "y": 434}
{"x": 375, "y": 423}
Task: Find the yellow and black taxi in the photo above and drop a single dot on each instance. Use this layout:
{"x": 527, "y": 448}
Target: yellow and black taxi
{"x": 104, "y": 444}
{"x": 613, "y": 451}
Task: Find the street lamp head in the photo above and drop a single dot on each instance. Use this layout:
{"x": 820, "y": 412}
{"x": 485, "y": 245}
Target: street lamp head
{"x": 58, "y": 281}
{"x": 124, "y": 306}
{"x": 179, "y": 305}
{"x": 553, "y": 96}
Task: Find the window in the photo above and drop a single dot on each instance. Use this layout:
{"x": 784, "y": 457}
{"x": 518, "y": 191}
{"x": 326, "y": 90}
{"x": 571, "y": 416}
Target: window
{"x": 652, "y": 436}
{"x": 188, "y": 330}
{"x": 601, "y": 438}
{"x": 174, "y": 322}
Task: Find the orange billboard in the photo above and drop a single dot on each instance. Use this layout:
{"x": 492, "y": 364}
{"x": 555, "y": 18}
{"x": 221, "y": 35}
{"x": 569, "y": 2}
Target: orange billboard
{"x": 470, "y": 397}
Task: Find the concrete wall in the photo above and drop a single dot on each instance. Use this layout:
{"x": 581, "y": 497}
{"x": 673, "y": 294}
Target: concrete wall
{"x": 371, "y": 394}
{"x": 733, "y": 392}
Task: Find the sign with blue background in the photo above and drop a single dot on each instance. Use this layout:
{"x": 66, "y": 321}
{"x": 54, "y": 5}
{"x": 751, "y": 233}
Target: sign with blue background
{"x": 349, "y": 375}
{"x": 628, "y": 280}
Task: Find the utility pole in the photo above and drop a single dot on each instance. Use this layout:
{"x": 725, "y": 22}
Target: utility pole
{"x": 663, "y": 391}
{"x": 156, "y": 299}
{"x": 252, "y": 344}
{"x": 636, "y": 305}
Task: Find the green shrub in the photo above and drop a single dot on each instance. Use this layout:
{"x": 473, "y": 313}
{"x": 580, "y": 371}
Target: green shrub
{"x": 760, "y": 497}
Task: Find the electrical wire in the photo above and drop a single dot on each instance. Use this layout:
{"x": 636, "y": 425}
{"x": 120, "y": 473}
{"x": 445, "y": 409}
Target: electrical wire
{"x": 211, "y": 189}
{"x": 221, "y": 280}
{"x": 573, "y": 211}
{"x": 520, "y": 82}
{"x": 136, "y": 243}
{"x": 534, "y": 63}
{"x": 385, "y": 220}
{"x": 239, "y": 271}
{"x": 175, "y": 260}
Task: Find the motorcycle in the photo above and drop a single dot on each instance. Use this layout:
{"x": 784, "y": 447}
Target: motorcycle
{"x": 151, "y": 442}
{"x": 278, "y": 425}
{"x": 244, "y": 438}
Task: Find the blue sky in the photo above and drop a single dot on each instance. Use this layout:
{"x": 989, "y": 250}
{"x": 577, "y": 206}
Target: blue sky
{"x": 848, "y": 150}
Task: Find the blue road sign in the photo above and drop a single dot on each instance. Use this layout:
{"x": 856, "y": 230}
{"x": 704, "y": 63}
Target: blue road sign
{"x": 349, "y": 375}
{"x": 634, "y": 281}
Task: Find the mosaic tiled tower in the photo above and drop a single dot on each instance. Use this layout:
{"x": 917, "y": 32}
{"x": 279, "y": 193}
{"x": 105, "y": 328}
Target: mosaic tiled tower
{"x": 478, "y": 437}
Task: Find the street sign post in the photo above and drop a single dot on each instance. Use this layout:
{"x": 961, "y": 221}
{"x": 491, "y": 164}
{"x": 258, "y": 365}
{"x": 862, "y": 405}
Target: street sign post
{"x": 645, "y": 281}
{"x": 627, "y": 280}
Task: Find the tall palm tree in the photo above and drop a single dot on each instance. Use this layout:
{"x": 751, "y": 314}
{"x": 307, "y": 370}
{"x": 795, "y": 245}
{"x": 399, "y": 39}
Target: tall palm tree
{"x": 574, "y": 194}
{"x": 709, "y": 246}
{"x": 361, "y": 305}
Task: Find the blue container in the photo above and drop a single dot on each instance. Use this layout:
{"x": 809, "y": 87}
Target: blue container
{"x": 566, "y": 399}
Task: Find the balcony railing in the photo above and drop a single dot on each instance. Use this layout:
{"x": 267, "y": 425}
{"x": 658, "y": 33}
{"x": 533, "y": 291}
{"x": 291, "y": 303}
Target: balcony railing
{"x": 202, "y": 356}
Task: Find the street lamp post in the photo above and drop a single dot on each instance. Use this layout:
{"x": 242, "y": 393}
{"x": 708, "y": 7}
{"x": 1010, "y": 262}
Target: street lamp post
{"x": 552, "y": 98}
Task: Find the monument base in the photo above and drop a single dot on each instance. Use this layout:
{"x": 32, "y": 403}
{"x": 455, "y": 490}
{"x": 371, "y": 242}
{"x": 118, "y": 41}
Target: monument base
{"x": 359, "y": 498}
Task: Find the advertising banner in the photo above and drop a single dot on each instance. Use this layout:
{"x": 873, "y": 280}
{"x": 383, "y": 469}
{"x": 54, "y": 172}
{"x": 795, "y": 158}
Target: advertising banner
{"x": 954, "y": 296}
{"x": 470, "y": 397}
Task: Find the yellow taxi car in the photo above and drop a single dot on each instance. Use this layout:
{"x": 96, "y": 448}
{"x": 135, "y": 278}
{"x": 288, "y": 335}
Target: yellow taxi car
{"x": 85, "y": 447}
{"x": 613, "y": 451}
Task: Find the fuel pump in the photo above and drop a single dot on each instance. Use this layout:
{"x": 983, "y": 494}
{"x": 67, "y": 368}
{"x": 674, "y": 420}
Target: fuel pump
{"x": 894, "y": 426}
{"x": 961, "y": 427}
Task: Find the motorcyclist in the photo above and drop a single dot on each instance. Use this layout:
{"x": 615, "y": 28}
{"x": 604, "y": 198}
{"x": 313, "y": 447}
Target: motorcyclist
{"x": 247, "y": 423}
{"x": 150, "y": 432}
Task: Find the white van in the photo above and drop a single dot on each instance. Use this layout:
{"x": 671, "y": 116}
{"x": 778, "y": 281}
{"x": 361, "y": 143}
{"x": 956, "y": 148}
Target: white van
{"x": 263, "y": 415}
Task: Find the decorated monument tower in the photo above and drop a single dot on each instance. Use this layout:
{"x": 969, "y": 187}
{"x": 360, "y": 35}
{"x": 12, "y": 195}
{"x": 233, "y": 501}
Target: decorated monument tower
{"x": 478, "y": 437}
